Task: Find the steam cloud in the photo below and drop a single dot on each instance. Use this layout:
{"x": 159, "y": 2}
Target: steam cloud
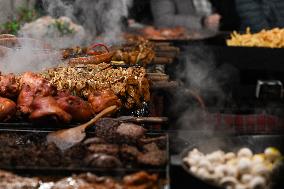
{"x": 30, "y": 57}
{"x": 99, "y": 17}
{"x": 201, "y": 75}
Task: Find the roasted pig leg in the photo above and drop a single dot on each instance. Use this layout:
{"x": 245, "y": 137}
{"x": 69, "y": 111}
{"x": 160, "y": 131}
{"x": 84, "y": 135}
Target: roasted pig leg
{"x": 33, "y": 86}
{"x": 79, "y": 109}
{"x": 7, "y": 109}
{"x": 47, "y": 108}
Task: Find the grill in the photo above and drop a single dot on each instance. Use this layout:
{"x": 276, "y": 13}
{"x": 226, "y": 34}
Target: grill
{"x": 247, "y": 124}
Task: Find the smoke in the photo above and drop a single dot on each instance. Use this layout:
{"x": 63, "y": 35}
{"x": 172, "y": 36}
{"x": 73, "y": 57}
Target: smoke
{"x": 203, "y": 79}
{"x": 102, "y": 18}
{"x": 57, "y": 8}
{"x": 30, "y": 56}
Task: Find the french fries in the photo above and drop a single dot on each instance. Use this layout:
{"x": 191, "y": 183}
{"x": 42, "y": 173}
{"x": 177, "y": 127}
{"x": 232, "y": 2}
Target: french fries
{"x": 273, "y": 38}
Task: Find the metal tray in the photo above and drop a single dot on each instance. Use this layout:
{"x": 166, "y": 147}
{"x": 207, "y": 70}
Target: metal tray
{"x": 246, "y": 58}
{"x": 67, "y": 169}
{"x": 48, "y": 180}
{"x": 256, "y": 142}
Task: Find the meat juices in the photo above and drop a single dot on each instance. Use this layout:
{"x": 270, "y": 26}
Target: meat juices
{"x": 7, "y": 109}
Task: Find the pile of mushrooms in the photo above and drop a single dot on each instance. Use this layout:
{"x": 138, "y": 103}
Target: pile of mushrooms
{"x": 241, "y": 170}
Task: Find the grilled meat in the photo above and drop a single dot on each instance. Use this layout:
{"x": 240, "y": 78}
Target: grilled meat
{"x": 79, "y": 109}
{"x": 25, "y": 99}
{"x": 166, "y": 33}
{"x": 129, "y": 153}
{"x": 103, "y": 161}
{"x": 94, "y": 140}
{"x": 87, "y": 181}
{"x": 94, "y": 59}
{"x": 141, "y": 180}
{"x": 130, "y": 131}
{"x": 101, "y": 100}
{"x": 42, "y": 86}
{"x": 130, "y": 85}
{"x": 141, "y": 55}
{"x": 9, "y": 86}
{"x": 119, "y": 133}
{"x": 46, "y": 108}
{"x": 33, "y": 86}
{"x": 161, "y": 141}
{"x": 74, "y": 52}
{"x": 7, "y": 109}
{"x": 152, "y": 156}
{"x": 11, "y": 181}
{"x": 109, "y": 149}
{"x": 18, "y": 149}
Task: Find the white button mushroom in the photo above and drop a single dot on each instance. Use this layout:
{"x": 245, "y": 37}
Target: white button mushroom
{"x": 246, "y": 178}
{"x": 231, "y": 170}
{"x": 245, "y": 152}
{"x": 234, "y": 171}
{"x": 205, "y": 164}
{"x": 229, "y": 156}
{"x": 195, "y": 152}
{"x": 272, "y": 154}
{"x": 228, "y": 181}
{"x": 258, "y": 158}
{"x": 240, "y": 186}
{"x": 220, "y": 170}
{"x": 202, "y": 173}
{"x": 232, "y": 162}
{"x": 260, "y": 169}
{"x": 193, "y": 169}
{"x": 216, "y": 157}
{"x": 257, "y": 183}
{"x": 244, "y": 165}
{"x": 192, "y": 160}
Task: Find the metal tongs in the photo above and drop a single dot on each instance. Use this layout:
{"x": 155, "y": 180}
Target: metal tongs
{"x": 154, "y": 120}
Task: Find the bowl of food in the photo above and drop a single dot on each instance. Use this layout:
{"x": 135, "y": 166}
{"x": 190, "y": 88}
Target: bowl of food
{"x": 244, "y": 162}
